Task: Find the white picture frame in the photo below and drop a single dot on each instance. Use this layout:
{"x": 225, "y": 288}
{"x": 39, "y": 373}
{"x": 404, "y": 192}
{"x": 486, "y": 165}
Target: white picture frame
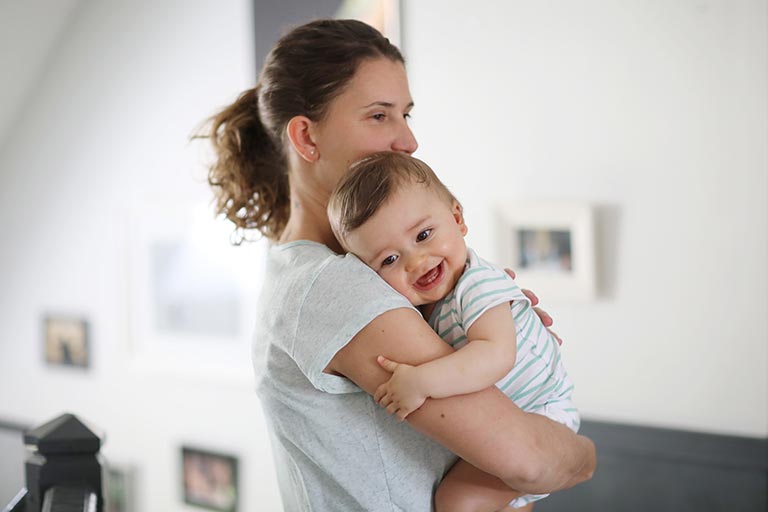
{"x": 192, "y": 294}
{"x": 383, "y": 15}
{"x": 550, "y": 245}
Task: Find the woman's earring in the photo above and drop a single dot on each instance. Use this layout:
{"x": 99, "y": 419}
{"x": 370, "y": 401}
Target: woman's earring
{"x": 312, "y": 151}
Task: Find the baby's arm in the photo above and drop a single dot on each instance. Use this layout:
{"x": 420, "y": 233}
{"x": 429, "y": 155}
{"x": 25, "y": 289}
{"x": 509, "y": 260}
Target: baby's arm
{"x": 489, "y": 355}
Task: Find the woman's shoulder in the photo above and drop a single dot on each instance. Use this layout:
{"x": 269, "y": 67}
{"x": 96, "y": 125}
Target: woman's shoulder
{"x": 305, "y": 265}
{"x": 305, "y": 258}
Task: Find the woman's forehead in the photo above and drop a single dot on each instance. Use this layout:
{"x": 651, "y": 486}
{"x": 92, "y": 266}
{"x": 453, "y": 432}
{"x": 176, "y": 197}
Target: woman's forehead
{"x": 382, "y": 81}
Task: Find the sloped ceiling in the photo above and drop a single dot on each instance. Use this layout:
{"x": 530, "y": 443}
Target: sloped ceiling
{"x": 29, "y": 32}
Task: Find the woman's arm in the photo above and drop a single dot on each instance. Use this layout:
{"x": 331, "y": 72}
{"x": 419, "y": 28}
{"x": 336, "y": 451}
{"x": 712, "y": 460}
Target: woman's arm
{"x": 484, "y": 428}
{"x": 489, "y": 355}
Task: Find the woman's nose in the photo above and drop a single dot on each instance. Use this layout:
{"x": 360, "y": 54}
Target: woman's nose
{"x": 405, "y": 142}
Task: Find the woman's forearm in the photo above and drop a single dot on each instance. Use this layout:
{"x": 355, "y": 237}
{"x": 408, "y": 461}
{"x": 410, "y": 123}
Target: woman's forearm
{"x": 559, "y": 459}
{"x": 484, "y": 428}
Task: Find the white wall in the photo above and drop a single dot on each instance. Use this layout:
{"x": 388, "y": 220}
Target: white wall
{"x": 656, "y": 112}
{"x": 104, "y": 133}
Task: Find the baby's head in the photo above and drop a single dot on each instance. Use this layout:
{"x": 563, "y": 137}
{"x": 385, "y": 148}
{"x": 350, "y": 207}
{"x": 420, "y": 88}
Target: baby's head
{"x": 394, "y": 214}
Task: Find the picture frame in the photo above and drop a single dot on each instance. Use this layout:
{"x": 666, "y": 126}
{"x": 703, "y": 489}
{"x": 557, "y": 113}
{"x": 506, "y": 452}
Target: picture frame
{"x": 550, "y": 245}
{"x": 209, "y": 480}
{"x": 66, "y": 341}
{"x": 120, "y": 490}
{"x": 383, "y": 15}
{"x": 191, "y": 293}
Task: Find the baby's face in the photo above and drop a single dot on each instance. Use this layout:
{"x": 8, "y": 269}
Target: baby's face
{"x": 415, "y": 242}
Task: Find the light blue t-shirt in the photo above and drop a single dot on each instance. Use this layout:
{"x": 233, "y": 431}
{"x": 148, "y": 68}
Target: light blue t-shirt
{"x": 334, "y": 447}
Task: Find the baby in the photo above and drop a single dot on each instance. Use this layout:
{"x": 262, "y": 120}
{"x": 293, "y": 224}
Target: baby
{"x": 393, "y": 213}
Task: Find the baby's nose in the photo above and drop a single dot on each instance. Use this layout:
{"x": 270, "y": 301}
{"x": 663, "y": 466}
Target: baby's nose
{"x": 415, "y": 262}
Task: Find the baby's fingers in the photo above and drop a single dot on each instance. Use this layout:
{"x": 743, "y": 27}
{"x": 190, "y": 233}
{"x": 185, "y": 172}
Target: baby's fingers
{"x": 403, "y": 413}
{"x": 392, "y": 408}
{"x": 387, "y": 364}
{"x": 380, "y": 392}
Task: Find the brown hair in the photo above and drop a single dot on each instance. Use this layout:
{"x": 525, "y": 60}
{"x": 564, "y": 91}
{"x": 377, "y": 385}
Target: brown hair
{"x": 307, "y": 69}
{"x": 370, "y": 182}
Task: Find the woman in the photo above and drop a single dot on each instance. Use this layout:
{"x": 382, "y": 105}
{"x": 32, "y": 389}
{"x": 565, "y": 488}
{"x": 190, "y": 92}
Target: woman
{"x": 330, "y": 92}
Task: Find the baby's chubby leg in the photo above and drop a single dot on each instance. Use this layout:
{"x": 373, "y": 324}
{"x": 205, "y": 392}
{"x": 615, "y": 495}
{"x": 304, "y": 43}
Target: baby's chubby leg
{"x": 468, "y": 489}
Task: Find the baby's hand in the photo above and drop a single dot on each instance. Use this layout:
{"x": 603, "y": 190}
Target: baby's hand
{"x": 403, "y": 393}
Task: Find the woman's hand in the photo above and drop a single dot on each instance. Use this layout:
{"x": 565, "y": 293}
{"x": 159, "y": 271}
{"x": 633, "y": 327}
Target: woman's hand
{"x": 543, "y": 315}
{"x": 402, "y": 393}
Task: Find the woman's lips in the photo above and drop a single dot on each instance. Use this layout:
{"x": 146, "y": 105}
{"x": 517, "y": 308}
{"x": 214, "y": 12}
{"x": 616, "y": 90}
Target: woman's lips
{"x": 431, "y": 278}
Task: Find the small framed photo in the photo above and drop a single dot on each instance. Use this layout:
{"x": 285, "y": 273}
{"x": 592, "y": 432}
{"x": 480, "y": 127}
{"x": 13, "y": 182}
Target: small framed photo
{"x": 209, "y": 479}
{"x": 66, "y": 341}
{"x": 119, "y": 489}
{"x": 550, "y": 245}
{"x": 383, "y": 15}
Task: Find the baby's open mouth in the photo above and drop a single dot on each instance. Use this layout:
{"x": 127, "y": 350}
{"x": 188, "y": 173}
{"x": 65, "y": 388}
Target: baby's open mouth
{"x": 431, "y": 278}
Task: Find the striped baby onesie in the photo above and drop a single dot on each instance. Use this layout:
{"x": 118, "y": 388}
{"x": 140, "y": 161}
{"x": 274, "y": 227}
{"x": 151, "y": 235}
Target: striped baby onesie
{"x": 538, "y": 382}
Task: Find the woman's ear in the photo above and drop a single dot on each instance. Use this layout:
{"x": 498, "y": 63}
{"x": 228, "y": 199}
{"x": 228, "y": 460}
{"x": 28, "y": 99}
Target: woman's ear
{"x": 458, "y": 215}
{"x": 299, "y": 133}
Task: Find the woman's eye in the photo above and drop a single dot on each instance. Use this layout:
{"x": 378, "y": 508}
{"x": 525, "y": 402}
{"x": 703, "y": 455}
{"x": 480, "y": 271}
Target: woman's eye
{"x": 379, "y": 116}
{"x": 423, "y": 235}
{"x": 389, "y": 260}
{"x": 407, "y": 116}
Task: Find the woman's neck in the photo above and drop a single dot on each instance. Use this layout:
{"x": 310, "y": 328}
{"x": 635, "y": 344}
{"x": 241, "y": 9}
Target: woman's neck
{"x": 308, "y": 220}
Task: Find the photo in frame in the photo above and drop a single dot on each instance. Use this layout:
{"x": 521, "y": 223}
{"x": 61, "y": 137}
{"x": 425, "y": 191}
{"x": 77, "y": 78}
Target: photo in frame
{"x": 550, "y": 245}
{"x": 120, "y": 489}
{"x": 192, "y": 293}
{"x": 383, "y": 15}
{"x": 209, "y": 479}
{"x": 66, "y": 341}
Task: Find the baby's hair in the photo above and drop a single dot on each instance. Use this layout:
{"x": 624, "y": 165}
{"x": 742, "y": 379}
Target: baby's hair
{"x": 370, "y": 182}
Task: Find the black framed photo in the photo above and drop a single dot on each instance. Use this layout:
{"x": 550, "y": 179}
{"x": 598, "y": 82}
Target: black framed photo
{"x": 209, "y": 479}
{"x": 66, "y": 341}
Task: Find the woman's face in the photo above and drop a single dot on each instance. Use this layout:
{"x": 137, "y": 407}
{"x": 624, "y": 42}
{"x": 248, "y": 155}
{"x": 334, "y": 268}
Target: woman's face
{"x": 371, "y": 115}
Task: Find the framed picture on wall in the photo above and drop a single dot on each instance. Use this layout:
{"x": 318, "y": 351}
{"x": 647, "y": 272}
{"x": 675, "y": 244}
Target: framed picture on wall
{"x": 550, "y": 245}
{"x": 209, "y": 479}
{"x": 384, "y": 15}
{"x": 192, "y": 293}
{"x": 66, "y": 341}
{"x": 119, "y": 489}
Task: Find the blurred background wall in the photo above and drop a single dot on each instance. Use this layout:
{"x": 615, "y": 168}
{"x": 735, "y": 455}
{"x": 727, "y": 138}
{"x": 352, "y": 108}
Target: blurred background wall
{"x": 655, "y": 112}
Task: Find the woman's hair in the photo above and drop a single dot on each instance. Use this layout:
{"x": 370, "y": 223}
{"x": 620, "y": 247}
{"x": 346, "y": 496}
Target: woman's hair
{"x": 370, "y": 182}
{"x": 306, "y": 70}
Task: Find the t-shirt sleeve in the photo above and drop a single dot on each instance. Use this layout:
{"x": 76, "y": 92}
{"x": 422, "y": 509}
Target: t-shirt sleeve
{"x": 483, "y": 287}
{"x": 345, "y": 296}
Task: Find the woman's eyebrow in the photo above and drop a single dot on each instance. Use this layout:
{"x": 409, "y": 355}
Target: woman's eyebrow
{"x": 387, "y": 104}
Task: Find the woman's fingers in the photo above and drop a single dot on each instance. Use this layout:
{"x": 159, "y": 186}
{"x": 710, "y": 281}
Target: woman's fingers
{"x": 531, "y": 296}
{"x": 544, "y": 316}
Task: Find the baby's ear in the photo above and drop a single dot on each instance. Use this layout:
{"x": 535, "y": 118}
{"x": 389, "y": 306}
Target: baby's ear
{"x": 458, "y": 215}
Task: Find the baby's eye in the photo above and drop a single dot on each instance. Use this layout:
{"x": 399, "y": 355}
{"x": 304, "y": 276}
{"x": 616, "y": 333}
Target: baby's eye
{"x": 423, "y": 235}
{"x": 389, "y": 260}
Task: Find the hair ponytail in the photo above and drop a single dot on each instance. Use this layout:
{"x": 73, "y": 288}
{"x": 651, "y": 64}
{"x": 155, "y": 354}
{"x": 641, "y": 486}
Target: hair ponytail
{"x": 306, "y": 70}
{"x": 249, "y": 178}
